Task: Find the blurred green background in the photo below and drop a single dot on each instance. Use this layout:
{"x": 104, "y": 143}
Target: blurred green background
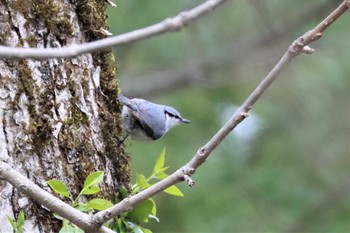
{"x": 286, "y": 168}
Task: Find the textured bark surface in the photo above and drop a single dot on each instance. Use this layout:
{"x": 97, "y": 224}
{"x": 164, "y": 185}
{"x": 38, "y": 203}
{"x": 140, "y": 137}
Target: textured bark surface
{"x": 59, "y": 118}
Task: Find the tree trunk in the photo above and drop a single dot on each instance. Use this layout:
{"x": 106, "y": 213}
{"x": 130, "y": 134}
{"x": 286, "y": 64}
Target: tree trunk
{"x": 59, "y": 118}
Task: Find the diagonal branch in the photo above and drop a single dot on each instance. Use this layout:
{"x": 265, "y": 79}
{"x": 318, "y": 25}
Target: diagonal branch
{"x": 33, "y": 191}
{"x": 297, "y": 47}
{"x": 168, "y": 25}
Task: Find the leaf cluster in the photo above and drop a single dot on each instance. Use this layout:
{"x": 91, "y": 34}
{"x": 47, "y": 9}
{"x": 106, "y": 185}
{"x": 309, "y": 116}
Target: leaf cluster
{"x": 134, "y": 220}
{"x": 90, "y": 187}
{"x": 131, "y": 221}
{"x": 17, "y": 226}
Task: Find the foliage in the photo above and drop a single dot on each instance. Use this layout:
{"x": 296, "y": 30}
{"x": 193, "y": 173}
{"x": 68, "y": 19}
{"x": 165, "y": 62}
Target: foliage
{"x": 131, "y": 221}
{"x": 17, "y": 226}
{"x": 90, "y": 187}
{"x": 157, "y": 174}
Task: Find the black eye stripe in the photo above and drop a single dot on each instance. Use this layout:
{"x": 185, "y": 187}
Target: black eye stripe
{"x": 166, "y": 112}
{"x": 171, "y": 115}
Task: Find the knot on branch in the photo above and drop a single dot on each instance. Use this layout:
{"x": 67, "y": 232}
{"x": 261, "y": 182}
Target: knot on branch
{"x": 98, "y": 219}
{"x": 189, "y": 180}
{"x": 96, "y": 222}
{"x": 23, "y": 188}
{"x": 243, "y": 115}
{"x": 316, "y": 36}
{"x": 187, "y": 172}
{"x": 174, "y": 24}
{"x": 201, "y": 152}
{"x": 307, "y": 50}
{"x": 297, "y": 45}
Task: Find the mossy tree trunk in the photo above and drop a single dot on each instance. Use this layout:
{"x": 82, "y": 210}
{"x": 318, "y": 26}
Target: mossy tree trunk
{"x": 59, "y": 118}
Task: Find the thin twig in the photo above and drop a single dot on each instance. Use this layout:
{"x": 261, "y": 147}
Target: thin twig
{"x": 200, "y": 70}
{"x": 169, "y": 25}
{"x": 296, "y": 48}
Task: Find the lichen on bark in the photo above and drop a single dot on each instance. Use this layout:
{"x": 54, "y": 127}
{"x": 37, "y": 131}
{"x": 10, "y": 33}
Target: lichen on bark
{"x": 59, "y": 118}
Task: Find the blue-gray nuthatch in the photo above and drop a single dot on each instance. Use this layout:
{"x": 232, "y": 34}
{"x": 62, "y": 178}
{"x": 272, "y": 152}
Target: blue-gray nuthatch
{"x": 144, "y": 120}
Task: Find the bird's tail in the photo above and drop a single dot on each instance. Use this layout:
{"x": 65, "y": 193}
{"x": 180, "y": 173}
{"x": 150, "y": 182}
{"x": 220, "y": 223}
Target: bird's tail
{"x": 126, "y": 101}
{"x": 123, "y": 99}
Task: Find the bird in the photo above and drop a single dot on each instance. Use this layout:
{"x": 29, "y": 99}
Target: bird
{"x": 144, "y": 120}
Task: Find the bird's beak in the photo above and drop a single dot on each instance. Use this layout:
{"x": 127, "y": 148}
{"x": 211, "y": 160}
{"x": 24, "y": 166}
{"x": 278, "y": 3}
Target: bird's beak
{"x": 183, "y": 120}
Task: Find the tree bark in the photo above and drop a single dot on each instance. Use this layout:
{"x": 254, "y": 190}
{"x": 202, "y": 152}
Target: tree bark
{"x": 59, "y": 118}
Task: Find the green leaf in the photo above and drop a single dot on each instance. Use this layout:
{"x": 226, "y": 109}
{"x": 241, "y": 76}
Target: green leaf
{"x": 93, "y": 179}
{"x": 90, "y": 190}
{"x": 59, "y": 187}
{"x": 163, "y": 169}
{"x": 160, "y": 161}
{"x": 173, "y": 190}
{"x": 137, "y": 229}
{"x": 141, "y": 181}
{"x": 67, "y": 228}
{"x": 77, "y": 229}
{"x": 153, "y": 217}
{"x": 11, "y": 222}
{"x": 154, "y": 209}
{"x": 90, "y": 183}
{"x": 160, "y": 174}
{"x": 58, "y": 217}
{"x": 141, "y": 211}
{"x": 83, "y": 207}
{"x": 99, "y": 204}
{"x": 123, "y": 192}
{"x": 144, "y": 230}
{"x": 122, "y": 227}
{"x": 20, "y": 222}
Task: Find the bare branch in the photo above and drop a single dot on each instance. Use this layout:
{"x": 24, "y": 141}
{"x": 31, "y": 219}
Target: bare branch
{"x": 199, "y": 71}
{"x": 296, "y": 48}
{"x": 44, "y": 198}
{"x": 168, "y": 25}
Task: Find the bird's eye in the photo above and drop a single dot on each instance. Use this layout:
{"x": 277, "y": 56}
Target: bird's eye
{"x": 168, "y": 113}
{"x": 172, "y": 115}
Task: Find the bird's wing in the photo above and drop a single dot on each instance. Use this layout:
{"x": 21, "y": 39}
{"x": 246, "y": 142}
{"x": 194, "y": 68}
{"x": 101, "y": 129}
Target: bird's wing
{"x": 150, "y": 121}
